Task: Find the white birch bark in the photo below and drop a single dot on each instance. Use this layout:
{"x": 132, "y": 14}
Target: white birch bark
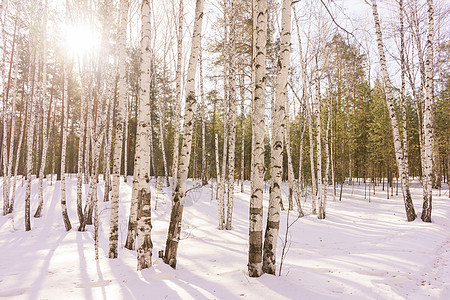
{"x": 410, "y": 213}
{"x": 108, "y": 146}
{"x": 91, "y": 203}
{"x": 428, "y": 118}
{"x": 226, "y": 108}
{"x": 5, "y": 149}
{"x": 45, "y": 136}
{"x": 22, "y": 130}
{"x": 300, "y": 170}
{"x": 96, "y": 142}
{"x": 125, "y": 144}
{"x": 311, "y": 157}
{"x": 30, "y": 133}
{"x": 306, "y": 96}
{"x": 217, "y": 161}
{"x": 242, "y": 91}
{"x": 258, "y": 126}
{"x": 287, "y": 139}
{"x": 87, "y": 152}
{"x": 65, "y": 215}
{"x": 327, "y": 166}
{"x": 203, "y": 112}
{"x": 80, "y": 148}
{"x": 176, "y": 134}
{"x": 161, "y": 124}
{"x": 12, "y": 139}
{"x": 117, "y": 160}
{"x": 403, "y": 87}
{"x": 179, "y": 189}
{"x": 150, "y": 136}
{"x": 231, "y": 116}
{"x": 318, "y": 107}
{"x": 278, "y": 127}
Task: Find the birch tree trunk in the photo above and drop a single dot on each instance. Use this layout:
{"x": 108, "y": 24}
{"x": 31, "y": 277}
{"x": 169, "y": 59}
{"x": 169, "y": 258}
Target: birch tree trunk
{"x": 409, "y": 207}
{"x": 402, "y": 91}
{"x": 428, "y": 118}
{"x": 327, "y": 167}
{"x": 311, "y": 157}
{"x": 150, "y": 136}
{"x": 287, "y": 138}
{"x": 12, "y": 139}
{"x": 161, "y": 125}
{"x": 226, "y": 118}
{"x": 89, "y": 125}
{"x": 23, "y": 127}
{"x": 308, "y": 113}
{"x": 30, "y": 133}
{"x": 278, "y": 127}
{"x": 217, "y": 162}
{"x": 300, "y": 169}
{"x": 65, "y": 215}
{"x": 258, "y": 126}
{"x": 163, "y": 149}
{"x": 202, "y": 95}
{"x": 176, "y": 134}
{"x": 5, "y": 157}
{"x": 84, "y": 95}
{"x": 242, "y": 91}
{"x": 108, "y": 146}
{"x": 45, "y": 137}
{"x": 232, "y": 116}
{"x": 114, "y": 219}
{"x": 125, "y": 144}
{"x": 179, "y": 189}
{"x": 318, "y": 108}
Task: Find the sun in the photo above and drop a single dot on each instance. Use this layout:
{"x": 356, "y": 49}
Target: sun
{"x": 81, "y": 39}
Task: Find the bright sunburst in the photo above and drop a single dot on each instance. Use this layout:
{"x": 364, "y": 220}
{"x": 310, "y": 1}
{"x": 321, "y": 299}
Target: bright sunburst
{"x": 81, "y": 39}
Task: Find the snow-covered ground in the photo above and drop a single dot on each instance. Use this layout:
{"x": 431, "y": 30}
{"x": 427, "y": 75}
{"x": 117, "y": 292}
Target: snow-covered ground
{"x": 361, "y": 250}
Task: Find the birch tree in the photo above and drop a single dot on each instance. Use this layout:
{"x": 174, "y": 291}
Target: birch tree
{"x": 179, "y": 189}
{"x": 7, "y": 156}
{"x": 306, "y": 96}
{"x": 161, "y": 123}
{"x": 45, "y": 136}
{"x": 226, "y": 118}
{"x": 428, "y": 117}
{"x": 231, "y": 116}
{"x": 242, "y": 92}
{"x": 287, "y": 139}
{"x": 278, "y": 127}
{"x": 11, "y": 143}
{"x": 22, "y": 130}
{"x": 318, "y": 113}
{"x": 65, "y": 215}
{"x": 84, "y": 95}
{"x": 30, "y": 133}
{"x": 258, "y": 124}
{"x": 202, "y": 95}
{"x": 114, "y": 219}
{"x": 409, "y": 207}
{"x": 176, "y": 134}
{"x": 141, "y": 188}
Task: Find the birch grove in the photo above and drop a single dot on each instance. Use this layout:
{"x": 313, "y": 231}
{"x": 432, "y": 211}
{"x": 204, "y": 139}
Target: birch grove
{"x": 201, "y": 97}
